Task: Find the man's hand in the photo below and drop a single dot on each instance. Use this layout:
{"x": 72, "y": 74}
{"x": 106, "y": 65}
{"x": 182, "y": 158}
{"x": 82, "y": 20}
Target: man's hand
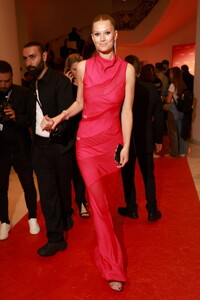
{"x": 10, "y": 112}
{"x": 50, "y": 124}
{"x": 46, "y": 123}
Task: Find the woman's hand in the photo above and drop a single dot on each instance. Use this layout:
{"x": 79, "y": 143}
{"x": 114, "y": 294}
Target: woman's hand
{"x": 46, "y": 123}
{"x": 50, "y": 124}
{"x": 58, "y": 119}
{"x": 124, "y": 154}
{"x": 70, "y": 76}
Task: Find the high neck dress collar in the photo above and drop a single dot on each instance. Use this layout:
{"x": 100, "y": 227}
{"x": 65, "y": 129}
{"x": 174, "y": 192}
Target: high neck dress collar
{"x": 104, "y": 63}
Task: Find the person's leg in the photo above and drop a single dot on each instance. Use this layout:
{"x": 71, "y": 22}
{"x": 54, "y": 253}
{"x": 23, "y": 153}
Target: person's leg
{"x": 64, "y": 169}
{"x": 172, "y": 130}
{"x": 128, "y": 172}
{"x": 44, "y": 167}
{"x": 108, "y": 254}
{"x": 5, "y": 167}
{"x": 24, "y": 170}
{"x": 79, "y": 188}
{"x": 182, "y": 142}
{"x": 146, "y": 164}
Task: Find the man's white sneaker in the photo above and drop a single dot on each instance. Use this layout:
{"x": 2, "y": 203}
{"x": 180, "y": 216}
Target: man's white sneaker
{"x": 33, "y": 226}
{"x": 4, "y": 231}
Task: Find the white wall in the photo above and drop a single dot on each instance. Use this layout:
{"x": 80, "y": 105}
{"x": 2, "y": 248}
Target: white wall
{"x": 162, "y": 50}
{"x": 196, "y": 122}
{"x": 45, "y": 20}
{"x": 9, "y": 47}
{"x": 48, "y": 19}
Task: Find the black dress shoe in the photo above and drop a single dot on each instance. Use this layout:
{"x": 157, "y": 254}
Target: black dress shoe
{"x": 154, "y": 216}
{"x": 51, "y": 248}
{"x": 123, "y": 211}
{"x": 68, "y": 223}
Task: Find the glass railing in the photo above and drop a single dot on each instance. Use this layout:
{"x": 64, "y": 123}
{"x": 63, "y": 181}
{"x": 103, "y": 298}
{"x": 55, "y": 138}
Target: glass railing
{"x": 128, "y": 20}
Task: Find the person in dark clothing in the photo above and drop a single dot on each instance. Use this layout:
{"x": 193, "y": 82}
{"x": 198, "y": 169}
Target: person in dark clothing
{"x": 65, "y": 51}
{"x": 50, "y": 56}
{"x": 73, "y": 35}
{"x": 51, "y": 93}
{"x": 70, "y": 71}
{"x": 188, "y": 78}
{"x": 27, "y": 80}
{"x": 166, "y": 68}
{"x": 15, "y": 147}
{"x": 146, "y": 134}
{"x": 89, "y": 49}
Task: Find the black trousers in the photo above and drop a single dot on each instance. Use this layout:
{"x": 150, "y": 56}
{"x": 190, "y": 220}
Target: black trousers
{"x": 23, "y": 167}
{"x": 79, "y": 185}
{"x": 54, "y": 172}
{"x": 146, "y": 164}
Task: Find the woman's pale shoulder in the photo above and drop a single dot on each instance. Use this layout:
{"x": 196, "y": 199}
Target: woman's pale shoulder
{"x": 81, "y": 66}
{"x": 130, "y": 69}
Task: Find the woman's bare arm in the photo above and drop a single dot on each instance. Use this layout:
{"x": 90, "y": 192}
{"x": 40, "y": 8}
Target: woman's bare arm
{"x": 127, "y": 115}
{"x": 50, "y": 123}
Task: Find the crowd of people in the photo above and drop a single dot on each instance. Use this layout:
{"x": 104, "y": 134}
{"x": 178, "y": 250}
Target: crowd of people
{"x": 75, "y": 122}
{"x": 171, "y": 85}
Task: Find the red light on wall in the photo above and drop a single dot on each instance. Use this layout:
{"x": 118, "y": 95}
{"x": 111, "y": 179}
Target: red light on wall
{"x": 184, "y": 55}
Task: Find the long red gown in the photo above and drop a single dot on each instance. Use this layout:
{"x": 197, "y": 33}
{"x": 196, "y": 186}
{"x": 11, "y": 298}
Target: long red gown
{"x": 98, "y": 135}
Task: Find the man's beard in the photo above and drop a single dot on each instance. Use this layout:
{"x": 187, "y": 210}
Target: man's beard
{"x": 36, "y": 71}
{"x": 4, "y": 91}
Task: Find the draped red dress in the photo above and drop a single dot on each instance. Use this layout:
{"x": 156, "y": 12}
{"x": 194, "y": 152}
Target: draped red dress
{"x": 98, "y": 135}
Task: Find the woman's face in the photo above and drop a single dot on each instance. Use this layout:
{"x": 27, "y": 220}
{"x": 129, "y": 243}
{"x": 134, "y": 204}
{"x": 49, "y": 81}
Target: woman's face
{"x": 103, "y": 36}
{"x": 74, "y": 68}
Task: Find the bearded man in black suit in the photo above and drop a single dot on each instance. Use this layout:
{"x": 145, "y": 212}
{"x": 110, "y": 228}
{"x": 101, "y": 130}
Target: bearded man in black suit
{"x": 51, "y": 93}
{"x": 146, "y": 136}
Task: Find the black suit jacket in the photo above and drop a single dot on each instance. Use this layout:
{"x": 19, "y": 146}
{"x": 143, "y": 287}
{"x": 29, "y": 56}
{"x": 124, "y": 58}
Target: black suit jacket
{"x": 55, "y": 94}
{"x": 15, "y": 136}
{"x": 148, "y": 119}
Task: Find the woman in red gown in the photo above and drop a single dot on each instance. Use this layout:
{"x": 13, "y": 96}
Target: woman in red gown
{"x": 105, "y": 87}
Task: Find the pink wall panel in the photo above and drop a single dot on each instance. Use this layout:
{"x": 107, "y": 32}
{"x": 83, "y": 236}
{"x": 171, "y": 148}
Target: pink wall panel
{"x": 184, "y": 55}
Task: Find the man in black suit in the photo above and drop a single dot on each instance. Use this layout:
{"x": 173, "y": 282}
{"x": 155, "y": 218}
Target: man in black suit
{"x": 166, "y": 68}
{"x": 188, "y": 78}
{"x": 146, "y": 134}
{"x": 51, "y": 93}
{"x": 15, "y": 144}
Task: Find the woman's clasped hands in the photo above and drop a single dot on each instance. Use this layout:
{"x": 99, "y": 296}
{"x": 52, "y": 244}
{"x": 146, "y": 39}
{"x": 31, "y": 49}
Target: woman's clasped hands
{"x": 47, "y": 123}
